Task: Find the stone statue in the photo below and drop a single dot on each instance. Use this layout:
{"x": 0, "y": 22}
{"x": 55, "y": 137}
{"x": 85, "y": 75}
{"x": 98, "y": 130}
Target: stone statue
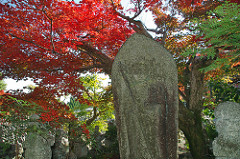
{"x": 144, "y": 81}
{"x": 227, "y": 144}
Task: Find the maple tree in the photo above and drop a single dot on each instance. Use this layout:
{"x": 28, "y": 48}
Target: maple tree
{"x": 54, "y": 41}
{"x": 51, "y": 41}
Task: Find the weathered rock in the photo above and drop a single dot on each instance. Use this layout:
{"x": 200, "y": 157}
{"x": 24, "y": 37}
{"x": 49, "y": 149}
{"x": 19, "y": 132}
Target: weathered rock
{"x": 60, "y": 147}
{"x": 38, "y": 142}
{"x": 227, "y": 144}
{"x": 37, "y": 147}
{"x": 79, "y": 150}
{"x": 144, "y": 80}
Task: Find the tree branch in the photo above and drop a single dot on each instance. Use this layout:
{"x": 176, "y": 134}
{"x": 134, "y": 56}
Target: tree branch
{"x": 82, "y": 69}
{"x": 105, "y": 61}
{"x": 139, "y": 10}
{"x": 156, "y": 31}
{"x": 51, "y": 35}
{"x": 95, "y": 115}
{"x": 139, "y": 27}
{"x": 41, "y": 47}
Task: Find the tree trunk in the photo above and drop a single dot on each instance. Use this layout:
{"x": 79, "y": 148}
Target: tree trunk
{"x": 190, "y": 119}
{"x": 193, "y": 131}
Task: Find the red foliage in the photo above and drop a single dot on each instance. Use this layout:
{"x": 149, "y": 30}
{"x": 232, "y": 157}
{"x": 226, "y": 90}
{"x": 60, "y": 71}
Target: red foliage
{"x": 189, "y": 3}
{"x": 52, "y": 110}
{"x": 48, "y": 40}
{"x": 85, "y": 130}
{"x": 53, "y": 41}
{"x": 41, "y": 101}
{"x": 234, "y": 1}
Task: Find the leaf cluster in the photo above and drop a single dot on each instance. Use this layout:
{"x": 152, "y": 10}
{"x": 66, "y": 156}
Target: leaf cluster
{"x": 99, "y": 108}
{"x": 3, "y": 85}
{"x": 222, "y": 91}
{"x": 222, "y": 34}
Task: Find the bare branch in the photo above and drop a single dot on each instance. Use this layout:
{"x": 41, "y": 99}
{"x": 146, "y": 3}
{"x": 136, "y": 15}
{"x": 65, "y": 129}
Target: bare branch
{"x": 80, "y": 70}
{"x": 83, "y": 69}
{"x": 46, "y": 14}
{"x": 139, "y": 26}
{"x": 51, "y": 35}
{"x": 157, "y": 31}
{"x": 29, "y": 42}
{"x": 105, "y": 61}
{"x": 164, "y": 38}
{"x": 139, "y": 10}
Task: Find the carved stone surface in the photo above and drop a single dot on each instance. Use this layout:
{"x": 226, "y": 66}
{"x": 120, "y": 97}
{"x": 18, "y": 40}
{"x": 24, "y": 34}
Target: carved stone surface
{"x": 144, "y": 80}
{"x": 38, "y": 143}
{"x": 37, "y": 147}
{"x": 227, "y": 144}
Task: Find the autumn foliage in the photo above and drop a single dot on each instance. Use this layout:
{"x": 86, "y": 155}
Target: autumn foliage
{"x": 48, "y": 40}
{"x": 54, "y": 41}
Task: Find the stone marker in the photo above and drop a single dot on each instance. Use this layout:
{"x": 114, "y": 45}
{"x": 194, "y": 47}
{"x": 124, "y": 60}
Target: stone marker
{"x": 38, "y": 145}
{"x": 144, "y": 81}
{"x": 227, "y": 144}
{"x": 60, "y": 147}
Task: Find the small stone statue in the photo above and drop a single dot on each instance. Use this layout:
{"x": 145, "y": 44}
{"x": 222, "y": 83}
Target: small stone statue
{"x": 227, "y": 144}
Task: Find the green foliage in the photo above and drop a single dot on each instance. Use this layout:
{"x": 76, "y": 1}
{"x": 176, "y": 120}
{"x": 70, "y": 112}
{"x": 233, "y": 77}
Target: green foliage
{"x": 222, "y": 31}
{"x": 91, "y": 83}
{"x": 80, "y": 110}
{"x": 97, "y": 111}
{"x": 3, "y": 85}
{"x": 100, "y": 104}
{"x": 190, "y": 51}
{"x": 110, "y": 147}
{"x": 208, "y": 121}
{"x": 222, "y": 91}
{"x": 6, "y": 151}
{"x": 4, "y": 147}
{"x": 111, "y": 135}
